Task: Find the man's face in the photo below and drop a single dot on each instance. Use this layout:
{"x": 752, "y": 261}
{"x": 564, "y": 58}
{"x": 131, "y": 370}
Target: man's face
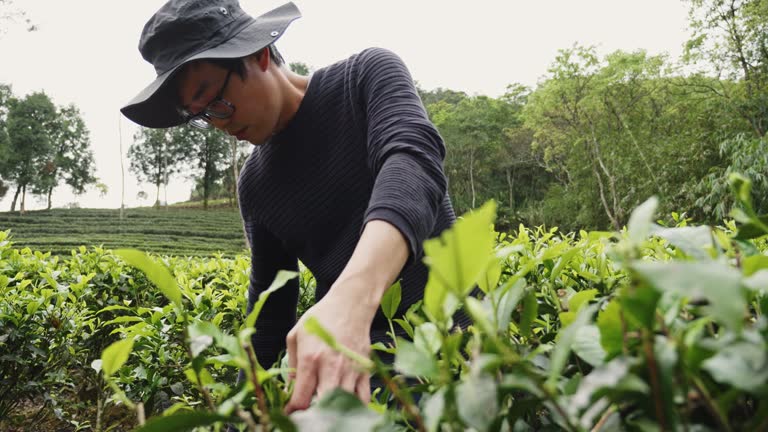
{"x": 255, "y": 97}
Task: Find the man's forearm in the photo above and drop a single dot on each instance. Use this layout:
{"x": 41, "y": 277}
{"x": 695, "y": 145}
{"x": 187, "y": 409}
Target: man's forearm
{"x": 378, "y": 258}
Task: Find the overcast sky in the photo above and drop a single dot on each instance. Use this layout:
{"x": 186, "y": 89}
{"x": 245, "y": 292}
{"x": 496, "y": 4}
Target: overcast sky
{"x": 85, "y": 52}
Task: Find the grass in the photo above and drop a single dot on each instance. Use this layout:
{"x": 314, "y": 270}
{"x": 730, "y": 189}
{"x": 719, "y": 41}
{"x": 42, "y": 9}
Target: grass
{"x": 169, "y": 231}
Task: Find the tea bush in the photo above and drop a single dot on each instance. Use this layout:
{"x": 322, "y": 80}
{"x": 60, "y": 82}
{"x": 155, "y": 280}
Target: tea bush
{"x": 652, "y": 328}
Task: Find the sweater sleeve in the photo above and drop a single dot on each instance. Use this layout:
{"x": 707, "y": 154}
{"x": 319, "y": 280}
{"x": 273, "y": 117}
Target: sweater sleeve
{"x": 278, "y": 315}
{"x": 405, "y": 150}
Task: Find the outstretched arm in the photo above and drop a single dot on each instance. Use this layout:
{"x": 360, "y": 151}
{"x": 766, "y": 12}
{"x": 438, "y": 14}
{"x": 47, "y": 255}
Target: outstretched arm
{"x": 347, "y": 312}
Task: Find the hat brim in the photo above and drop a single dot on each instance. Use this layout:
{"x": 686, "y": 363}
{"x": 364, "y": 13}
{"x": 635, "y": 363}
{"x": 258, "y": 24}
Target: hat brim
{"x": 155, "y": 106}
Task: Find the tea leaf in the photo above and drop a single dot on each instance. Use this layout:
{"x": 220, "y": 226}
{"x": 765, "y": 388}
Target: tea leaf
{"x": 338, "y": 411}
{"x": 608, "y": 375}
{"x": 742, "y": 365}
{"x": 412, "y": 360}
{"x": 587, "y": 345}
{"x": 581, "y": 298}
{"x": 609, "y": 323}
{"x": 477, "y": 401}
{"x": 434, "y": 406}
{"x": 718, "y": 283}
{"x": 563, "y": 346}
{"x": 185, "y": 420}
{"x": 201, "y": 336}
{"x": 282, "y": 277}
{"x": 390, "y": 301}
{"x": 490, "y": 278}
{"x": 428, "y": 337}
{"x": 313, "y": 327}
{"x": 115, "y": 356}
{"x": 157, "y": 273}
{"x": 458, "y": 258}
{"x": 693, "y": 241}
{"x": 639, "y": 225}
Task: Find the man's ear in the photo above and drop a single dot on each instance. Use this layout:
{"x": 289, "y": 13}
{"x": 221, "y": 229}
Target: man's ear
{"x": 263, "y": 58}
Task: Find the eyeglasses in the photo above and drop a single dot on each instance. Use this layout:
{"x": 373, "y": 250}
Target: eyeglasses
{"x": 218, "y": 108}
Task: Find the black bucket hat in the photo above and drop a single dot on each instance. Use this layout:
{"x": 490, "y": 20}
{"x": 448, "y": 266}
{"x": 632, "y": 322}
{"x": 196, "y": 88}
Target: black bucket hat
{"x": 186, "y": 30}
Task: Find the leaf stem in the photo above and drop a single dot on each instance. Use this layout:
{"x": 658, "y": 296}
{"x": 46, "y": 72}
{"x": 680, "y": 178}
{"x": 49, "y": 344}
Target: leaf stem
{"x": 604, "y": 418}
{"x": 260, "y": 397}
{"x": 711, "y": 405}
{"x": 410, "y": 408}
{"x": 140, "y": 413}
{"x": 557, "y": 406}
{"x": 654, "y": 372}
{"x": 392, "y": 329}
{"x": 198, "y": 381}
{"x": 248, "y": 420}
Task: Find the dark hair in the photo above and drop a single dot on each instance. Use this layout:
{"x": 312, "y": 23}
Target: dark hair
{"x": 237, "y": 64}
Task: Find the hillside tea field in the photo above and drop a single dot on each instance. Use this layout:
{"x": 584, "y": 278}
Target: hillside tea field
{"x": 652, "y": 328}
{"x": 167, "y": 231}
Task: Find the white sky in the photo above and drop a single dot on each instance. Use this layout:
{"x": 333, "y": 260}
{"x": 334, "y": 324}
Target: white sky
{"x": 85, "y": 52}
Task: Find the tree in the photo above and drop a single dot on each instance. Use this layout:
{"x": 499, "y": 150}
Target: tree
{"x": 429, "y": 97}
{"x": 729, "y": 43}
{"x": 730, "y": 39}
{"x": 617, "y": 130}
{"x": 208, "y": 153}
{"x": 8, "y": 13}
{"x": 300, "y": 68}
{"x": 71, "y": 159}
{"x": 6, "y": 96}
{"x": 30, "y": 122}
{"x": 155, "y": 155}
{"x": 473, "y": 131}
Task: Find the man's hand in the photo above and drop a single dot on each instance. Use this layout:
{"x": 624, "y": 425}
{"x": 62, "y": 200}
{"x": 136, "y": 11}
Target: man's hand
{"x": 318, "y": 367}
{"x": 346, "y": 311}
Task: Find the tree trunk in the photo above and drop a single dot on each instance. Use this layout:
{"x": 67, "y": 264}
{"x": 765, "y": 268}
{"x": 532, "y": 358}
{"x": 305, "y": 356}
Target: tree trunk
{"x": 122, "y": 175}
{"x": 50, "y": 192}
{"x": 472, "y": 176}
{"x": 22, "y": 208}
{"x": 510, "y": 184}
{"x": 206, "y": 180}
{"x": 157, "y": 195}
{"x": 614, "y": 213}
{"x": 15, "y": 198}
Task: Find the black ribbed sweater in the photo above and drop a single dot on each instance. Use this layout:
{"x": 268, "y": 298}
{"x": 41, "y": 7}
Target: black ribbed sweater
{"x": 359, "y": 148}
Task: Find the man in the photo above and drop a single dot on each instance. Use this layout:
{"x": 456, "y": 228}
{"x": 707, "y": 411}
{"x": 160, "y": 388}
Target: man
{"x": 346, "y": 174}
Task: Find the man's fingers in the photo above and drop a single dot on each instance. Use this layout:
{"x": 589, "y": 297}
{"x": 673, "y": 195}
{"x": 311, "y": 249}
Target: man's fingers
{"x": 290, "y": 344}
{"x": 306, "y": 382}
{"x": 363, "y": 388}
{"x": 329, "y": 374}
{"x": 349, "y": 381}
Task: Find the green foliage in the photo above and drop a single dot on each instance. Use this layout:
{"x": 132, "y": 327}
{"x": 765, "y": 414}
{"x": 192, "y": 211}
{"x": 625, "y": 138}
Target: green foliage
{"x": 29, "y": 126}
{"x": 300, "y": 68}
{"x": 655, "y": 326}
{"x": 728, "y": 41}
{"x": 208, "y": 153}
{"x": 42, "y": 145}
{"x": 157, "y": 273}
{"x": 115, "y": 356}
{"x": 70, "y": 159}
{"x": 741, "y": 154}
{"x": 60, "y": 316}
{"x": 155, "y": 155}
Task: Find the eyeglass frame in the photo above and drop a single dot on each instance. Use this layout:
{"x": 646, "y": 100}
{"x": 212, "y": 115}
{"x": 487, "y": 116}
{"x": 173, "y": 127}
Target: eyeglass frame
{"x": 207, "y": 115}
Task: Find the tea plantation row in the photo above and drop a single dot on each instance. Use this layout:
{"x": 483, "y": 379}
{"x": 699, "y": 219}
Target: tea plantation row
{"x": 168, "y": 231}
